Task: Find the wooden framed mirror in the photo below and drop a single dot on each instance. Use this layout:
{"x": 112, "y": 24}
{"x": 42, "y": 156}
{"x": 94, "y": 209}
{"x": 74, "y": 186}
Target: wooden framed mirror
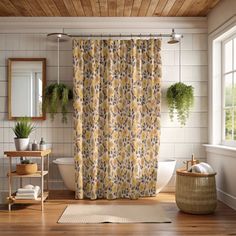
{"x": 26, "y": 84}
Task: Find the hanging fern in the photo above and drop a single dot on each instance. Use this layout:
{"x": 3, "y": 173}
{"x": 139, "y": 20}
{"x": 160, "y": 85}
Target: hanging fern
{"x": 56, "y": 98}
{"x": 180, "y": 99}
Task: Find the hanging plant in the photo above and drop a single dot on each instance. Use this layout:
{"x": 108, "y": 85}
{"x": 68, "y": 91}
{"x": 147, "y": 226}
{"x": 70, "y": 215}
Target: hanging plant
{"x": 180, "y": 99}
{"x": 56, "y": 98}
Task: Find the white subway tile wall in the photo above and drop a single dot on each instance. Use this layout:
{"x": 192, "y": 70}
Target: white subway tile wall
{"x": 176, "y": 142}
{"x": 58, "y": 135}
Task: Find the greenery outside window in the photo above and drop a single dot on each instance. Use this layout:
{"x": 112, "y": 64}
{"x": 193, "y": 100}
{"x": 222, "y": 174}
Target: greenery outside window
{"x": 229, "y": 90}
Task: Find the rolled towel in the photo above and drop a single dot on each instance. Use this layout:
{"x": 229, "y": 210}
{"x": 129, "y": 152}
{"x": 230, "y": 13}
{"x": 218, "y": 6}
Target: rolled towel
{"x": 207, "y": 167}
{"x": 197, "y": 169}
{"x": 28, "y": 186}
{"x": 201, "y": 168}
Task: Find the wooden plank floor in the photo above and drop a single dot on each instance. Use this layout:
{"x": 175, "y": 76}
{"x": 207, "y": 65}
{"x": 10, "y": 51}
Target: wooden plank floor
{"x": 28, "y": 220}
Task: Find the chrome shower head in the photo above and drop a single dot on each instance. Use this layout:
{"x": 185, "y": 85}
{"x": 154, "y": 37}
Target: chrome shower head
{"x": 59, "y": 36}
{"x": 174, "y": 37}
{"x": 173, "y": 40}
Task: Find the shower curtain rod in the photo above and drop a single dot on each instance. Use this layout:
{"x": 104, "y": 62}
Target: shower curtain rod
{"x": 120, "y": 35}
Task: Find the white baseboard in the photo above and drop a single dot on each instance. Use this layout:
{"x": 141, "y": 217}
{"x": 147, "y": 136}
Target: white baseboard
{"x": 226, "y": 198}
{"x": 168, "y": 189}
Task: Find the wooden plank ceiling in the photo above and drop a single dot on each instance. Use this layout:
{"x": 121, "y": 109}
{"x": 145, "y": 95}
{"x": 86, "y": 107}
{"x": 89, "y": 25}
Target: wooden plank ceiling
{"x": 106, "y": 7}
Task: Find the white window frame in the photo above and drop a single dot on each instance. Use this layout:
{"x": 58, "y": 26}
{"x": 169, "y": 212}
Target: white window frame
{"x": 223, "y": 74}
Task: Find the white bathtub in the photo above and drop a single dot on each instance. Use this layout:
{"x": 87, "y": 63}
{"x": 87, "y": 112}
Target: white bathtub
{"x": 66, "y": 168}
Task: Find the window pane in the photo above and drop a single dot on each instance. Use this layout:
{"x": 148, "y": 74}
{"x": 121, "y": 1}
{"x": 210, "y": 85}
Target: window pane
{"x": 228, "y": 90}
{"x": 234, "y": 125}
{"x": 234, "y": 89}
{"x": 228, "y": 56}
{"x": 235, "y": 54}
{"x": 228, "y": 124}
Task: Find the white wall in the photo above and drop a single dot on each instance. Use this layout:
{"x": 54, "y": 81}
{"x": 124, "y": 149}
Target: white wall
{"x": 21, "y": 38}
{"x": 221, "y": 22}
{"x": 223, "y": 160}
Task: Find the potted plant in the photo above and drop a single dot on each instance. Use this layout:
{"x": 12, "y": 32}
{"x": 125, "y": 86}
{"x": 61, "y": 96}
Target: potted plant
{"x": 57, "y": 97}
{"x": 22, "y": 130}
{"x": 180, "y": 98}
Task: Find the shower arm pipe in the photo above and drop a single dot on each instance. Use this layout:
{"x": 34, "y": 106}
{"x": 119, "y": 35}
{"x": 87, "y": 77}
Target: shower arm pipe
{"x": 122, "y": 35}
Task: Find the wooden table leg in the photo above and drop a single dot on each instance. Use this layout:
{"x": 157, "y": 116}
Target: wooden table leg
{"x": 9, "y": 184}
{"x": 48, "y": 172}
{"x": 42, "y": 182}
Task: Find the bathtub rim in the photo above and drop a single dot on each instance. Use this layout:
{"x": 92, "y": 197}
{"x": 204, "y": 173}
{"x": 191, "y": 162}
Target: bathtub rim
{"x": 64, "y": 161}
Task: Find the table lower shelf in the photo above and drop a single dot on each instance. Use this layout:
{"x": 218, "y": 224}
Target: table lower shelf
{"x": 28, "y": 201}
{"x": 36, "y": 174}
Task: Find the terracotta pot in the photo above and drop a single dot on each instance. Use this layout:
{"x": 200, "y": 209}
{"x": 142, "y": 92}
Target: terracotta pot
{"x": 26, "y": 169}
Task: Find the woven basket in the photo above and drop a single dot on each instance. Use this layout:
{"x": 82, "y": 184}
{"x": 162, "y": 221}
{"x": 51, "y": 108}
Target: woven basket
{"x": 195, "y": 192}
{"x": 26, "y": 169}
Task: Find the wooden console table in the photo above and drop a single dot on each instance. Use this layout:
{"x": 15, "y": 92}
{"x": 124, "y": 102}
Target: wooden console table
{"x": 39, "y": 174}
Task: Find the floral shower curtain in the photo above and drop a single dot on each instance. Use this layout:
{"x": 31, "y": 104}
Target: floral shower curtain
{"x": 117, "y": 117}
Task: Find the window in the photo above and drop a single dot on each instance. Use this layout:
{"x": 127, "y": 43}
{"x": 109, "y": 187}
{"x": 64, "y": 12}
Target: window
{"x": 229, "y": 90}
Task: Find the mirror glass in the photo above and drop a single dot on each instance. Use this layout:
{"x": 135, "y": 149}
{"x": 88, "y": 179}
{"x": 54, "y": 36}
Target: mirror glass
{"x": 26, "y": 87}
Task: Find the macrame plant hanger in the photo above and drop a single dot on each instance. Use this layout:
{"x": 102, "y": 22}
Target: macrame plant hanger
{"x": 58, "y": 60}
{"x": 57, "y": 95}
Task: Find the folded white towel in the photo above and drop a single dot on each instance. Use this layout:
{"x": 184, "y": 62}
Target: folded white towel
{"x": 27, "y": 193}
{"x": 28, "y": 190}
{"x": 32, "y": 195}
{"x": 201, "y": 168}
{"x": 25, "y": 197}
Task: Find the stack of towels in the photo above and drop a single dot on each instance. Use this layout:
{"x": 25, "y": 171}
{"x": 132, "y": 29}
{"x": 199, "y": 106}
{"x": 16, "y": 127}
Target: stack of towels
{"x": 28, "y": 192}
{"x": 202, "y": 167}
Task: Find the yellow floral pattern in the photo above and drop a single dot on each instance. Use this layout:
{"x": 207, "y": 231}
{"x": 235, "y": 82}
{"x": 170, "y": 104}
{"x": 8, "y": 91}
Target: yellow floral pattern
{"x": 117, "y": 117}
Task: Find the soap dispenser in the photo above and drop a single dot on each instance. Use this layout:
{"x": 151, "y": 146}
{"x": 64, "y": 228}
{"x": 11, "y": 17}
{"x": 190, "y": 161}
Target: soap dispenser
{"x": 35, "y": 146}
{"x": 42, "y": 145}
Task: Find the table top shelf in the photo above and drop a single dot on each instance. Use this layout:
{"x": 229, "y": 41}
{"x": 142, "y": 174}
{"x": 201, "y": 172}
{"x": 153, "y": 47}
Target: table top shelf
{"x": 35, "y": 175}
{"x": 43, "y": 153}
